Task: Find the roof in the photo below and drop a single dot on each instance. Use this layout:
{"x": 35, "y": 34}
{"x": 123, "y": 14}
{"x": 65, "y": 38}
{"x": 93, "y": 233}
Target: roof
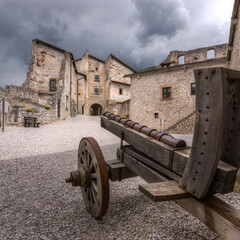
{"x": 177, "y": 67}
{"x": 117, "y": 59}
{"x": 98, "y": 59}
{"x": 60, "y": 50}
{"x": 233, "y": 28}
{"x": 115, "y": 81}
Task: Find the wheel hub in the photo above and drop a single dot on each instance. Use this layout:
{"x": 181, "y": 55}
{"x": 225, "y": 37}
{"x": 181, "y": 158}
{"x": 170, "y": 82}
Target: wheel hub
{"x": 81, "y": 177}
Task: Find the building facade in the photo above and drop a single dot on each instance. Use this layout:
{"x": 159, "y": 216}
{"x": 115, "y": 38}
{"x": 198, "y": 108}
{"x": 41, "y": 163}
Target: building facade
{"x": 58, "y": 87}
{"x": 164, "y": 97}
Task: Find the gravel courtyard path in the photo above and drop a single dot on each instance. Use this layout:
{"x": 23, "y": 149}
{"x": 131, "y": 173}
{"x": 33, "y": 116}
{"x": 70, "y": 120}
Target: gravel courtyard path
{"x": 36, "y": 203}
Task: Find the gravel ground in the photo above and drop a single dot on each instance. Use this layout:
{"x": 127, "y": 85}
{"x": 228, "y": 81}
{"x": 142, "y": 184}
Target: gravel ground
{"x": 36, "y": 203}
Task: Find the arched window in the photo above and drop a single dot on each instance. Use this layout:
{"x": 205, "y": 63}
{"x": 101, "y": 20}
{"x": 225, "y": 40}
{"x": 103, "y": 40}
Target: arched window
{"x": 52, "y": 85}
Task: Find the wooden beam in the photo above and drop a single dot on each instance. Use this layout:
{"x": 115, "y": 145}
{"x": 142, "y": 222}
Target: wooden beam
{"x": 216, "y": 214}
{"x": 209, "y": 131}
{"x": 159, "y": 153}
{"x": 163, "y": 191}
{"x": 117, "y": 171}
{"x": 147, "y": 173}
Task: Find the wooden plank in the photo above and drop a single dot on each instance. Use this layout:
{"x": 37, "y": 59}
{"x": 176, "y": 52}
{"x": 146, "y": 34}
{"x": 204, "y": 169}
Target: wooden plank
{"x": 151, "y": 147}
{"x": 163, "y": 191}
{"x": 231, "y": 149}
{"x": 118, "y": 171}
{"x": 216, "y": 214}
{"x": 209, "y": 131}
{"x": 143, "y": 144}
{"x": 140, "y": 169}
{"x": 149, "y": 162}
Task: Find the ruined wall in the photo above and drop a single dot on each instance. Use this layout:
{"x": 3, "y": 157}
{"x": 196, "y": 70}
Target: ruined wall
{"x": 235, "y": 44}
{"x": 197, "y": 55}
{"x": 146, "y": 89}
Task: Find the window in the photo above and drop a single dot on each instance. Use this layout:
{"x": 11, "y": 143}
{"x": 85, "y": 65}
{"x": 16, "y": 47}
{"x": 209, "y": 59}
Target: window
{"x": 120, "y": 91}
{"x": 193, "y": 88}
{"x": 166, "y": 93}
{"x": 107, "y": 75}
{"x": 52, "y": 85}
{"x": 156, "y": 115}
{"x": 96, "y": 68}
{"x": 96, "y": 78}
{"x": 181, "y": 60}
{"x": 96, "y": 91}
{"x": 211, "y": 54}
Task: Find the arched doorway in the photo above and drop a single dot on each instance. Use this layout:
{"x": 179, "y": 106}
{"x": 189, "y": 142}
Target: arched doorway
{"x": 96, "y": 110}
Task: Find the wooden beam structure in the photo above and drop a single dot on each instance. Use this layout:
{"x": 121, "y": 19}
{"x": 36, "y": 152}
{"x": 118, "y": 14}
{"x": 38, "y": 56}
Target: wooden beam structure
{"x": 160, "y": 153}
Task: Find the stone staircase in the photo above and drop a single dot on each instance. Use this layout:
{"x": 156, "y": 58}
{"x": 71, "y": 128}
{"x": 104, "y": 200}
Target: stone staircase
{"x": 180, "y": 117}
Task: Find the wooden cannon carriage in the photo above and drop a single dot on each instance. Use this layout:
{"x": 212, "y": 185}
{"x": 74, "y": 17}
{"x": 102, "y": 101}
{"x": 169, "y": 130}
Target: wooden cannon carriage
{"x": 173, "y": 171}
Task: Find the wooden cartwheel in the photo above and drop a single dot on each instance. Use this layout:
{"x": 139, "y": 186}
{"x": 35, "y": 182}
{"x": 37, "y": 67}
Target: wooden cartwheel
{"x": 188, "y": 176}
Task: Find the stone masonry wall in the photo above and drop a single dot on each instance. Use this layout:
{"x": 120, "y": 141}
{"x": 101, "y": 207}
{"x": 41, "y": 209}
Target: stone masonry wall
{"x": 197, "y": 55}
{"x": 146, "y": 92}
{"x": 185, "y": 126}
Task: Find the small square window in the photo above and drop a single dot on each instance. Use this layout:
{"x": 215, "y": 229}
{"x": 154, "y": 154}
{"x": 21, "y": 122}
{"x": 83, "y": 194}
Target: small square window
{"x": 193, "y": 88}
{"x": 156, "y": 115}
{"x": 96, "y": 78}
{"x": 96, "y": 91}
{"x": 166, "y": 93}
{"x": 120, "y": 91}
{"x": 96, "y": 68}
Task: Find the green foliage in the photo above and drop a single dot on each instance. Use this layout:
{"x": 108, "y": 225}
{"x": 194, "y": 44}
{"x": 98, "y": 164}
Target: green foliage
{"x": 48, "y": 107}
{"x": 30, "y": 110}
{"x": 127, "y": 116}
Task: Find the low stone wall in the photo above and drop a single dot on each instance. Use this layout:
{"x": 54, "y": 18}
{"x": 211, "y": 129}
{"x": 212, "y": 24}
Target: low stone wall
{"x": 184, "y": 127}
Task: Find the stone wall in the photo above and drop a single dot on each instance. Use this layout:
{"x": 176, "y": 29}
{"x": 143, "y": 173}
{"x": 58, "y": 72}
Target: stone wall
{"x": 185, "y": 126}
{"x": 111, "y": 80}
{"x": 147, "y": 105}
{"x": 197, "y": 55}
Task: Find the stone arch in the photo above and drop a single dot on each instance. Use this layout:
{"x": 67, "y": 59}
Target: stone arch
{"x": 96, "y": 110}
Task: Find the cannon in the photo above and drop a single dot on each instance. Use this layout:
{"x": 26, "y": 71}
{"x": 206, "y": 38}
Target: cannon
{"x": 173, "y": 171}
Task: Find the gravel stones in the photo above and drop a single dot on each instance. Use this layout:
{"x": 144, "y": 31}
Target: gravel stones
{"x": 36, "y": 203}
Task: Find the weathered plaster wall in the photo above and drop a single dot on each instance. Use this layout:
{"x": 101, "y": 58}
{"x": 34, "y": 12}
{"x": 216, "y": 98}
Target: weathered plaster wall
{"x": 146, "y": 94}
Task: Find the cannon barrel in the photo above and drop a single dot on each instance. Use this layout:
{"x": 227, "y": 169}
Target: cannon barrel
{"x": 160, "y": 136}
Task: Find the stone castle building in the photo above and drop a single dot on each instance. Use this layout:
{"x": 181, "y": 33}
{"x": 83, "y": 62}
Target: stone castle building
{"x": 59, "y": 87}
{"x": 167, "y": 92}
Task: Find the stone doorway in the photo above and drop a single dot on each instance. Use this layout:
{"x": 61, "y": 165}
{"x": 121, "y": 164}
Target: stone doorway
{"x": 96, "y": 110}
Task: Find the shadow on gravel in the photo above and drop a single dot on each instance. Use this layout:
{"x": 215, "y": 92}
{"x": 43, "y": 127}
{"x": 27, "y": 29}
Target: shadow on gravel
{"x": 36, "y": 203}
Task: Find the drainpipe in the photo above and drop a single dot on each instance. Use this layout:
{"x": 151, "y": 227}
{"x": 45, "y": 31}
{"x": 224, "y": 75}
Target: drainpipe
{"x": 77, "y": 90}
{"x": 70, "y": 104}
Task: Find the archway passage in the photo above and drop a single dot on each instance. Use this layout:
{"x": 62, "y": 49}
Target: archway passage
{"x": 96, "y": 110}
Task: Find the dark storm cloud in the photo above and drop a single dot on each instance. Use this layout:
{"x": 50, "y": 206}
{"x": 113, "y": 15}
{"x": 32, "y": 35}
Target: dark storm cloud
{"x": 160, "y": 18}
{"x": 140, "y": 32}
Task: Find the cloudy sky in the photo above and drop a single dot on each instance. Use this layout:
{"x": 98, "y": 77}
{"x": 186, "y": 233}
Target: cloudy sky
{"x": 139, "y": 32}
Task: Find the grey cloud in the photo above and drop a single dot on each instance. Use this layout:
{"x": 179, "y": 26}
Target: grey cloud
{"x": 160, "y": 18}
{"x": 140, "y": 32}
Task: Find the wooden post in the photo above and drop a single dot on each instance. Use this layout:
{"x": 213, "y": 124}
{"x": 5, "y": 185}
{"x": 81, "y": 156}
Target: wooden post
{"x": 3, "y": 114}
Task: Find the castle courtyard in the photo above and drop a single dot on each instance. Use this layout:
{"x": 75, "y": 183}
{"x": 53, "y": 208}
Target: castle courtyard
{"x": 36, "y": 203}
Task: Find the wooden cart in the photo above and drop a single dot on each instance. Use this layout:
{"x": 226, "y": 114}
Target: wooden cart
{"x": 173, "y": 171}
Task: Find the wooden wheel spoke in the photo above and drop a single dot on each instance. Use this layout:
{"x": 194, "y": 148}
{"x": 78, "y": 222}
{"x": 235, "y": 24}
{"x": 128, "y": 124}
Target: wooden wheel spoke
{"x": 94, "y": 185}
{"x": 91, "y": 166}
{"x": 93, "y": 175}
{"x": 94, "y": 194}
{"x": 88, "y": 158}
